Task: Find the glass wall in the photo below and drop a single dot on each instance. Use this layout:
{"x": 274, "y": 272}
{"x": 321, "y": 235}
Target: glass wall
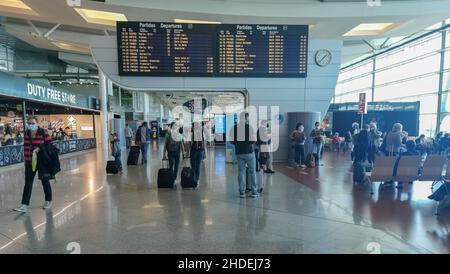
{"x": 6, "y": 58}
{"x": 409, "y": 73}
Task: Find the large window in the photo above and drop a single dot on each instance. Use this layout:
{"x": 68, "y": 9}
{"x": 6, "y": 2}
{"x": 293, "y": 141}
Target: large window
{"x": 409, "y": 73}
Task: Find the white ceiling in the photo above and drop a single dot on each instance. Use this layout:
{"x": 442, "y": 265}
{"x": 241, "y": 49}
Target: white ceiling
{"x": 330, "y": 19}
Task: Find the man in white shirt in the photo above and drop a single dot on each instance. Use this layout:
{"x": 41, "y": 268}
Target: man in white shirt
{"x": 128, "y": 135}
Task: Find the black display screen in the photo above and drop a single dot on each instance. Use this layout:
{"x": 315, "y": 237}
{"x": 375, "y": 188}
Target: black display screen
{"x": 173, "y": 49}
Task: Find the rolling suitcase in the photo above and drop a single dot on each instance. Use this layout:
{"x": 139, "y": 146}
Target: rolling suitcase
{"x": 111, "y": 167}
{"x": 259, "y": 181}
{"x": 188, "y": 178}
{"x": 133, "y": 156}
{"x": 165, "y": 177}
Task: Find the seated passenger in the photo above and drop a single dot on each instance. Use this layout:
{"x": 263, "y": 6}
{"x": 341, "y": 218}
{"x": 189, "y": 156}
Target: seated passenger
{"x": 410, "y": 149}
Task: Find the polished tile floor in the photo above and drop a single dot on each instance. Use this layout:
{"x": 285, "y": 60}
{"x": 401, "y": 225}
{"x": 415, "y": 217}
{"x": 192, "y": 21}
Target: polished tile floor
{"x": 98, "y": 213}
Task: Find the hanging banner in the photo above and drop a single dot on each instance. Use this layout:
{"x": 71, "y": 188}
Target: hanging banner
{"x": 362, "y": 104}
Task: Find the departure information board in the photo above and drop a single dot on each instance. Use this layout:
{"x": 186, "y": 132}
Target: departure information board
{"x": 173, "y": 49}
{"x": 165, "y": 49}
{"x": 262, "y": 50}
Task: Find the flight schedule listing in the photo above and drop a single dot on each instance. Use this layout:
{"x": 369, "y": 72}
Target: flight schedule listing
{"x": 173, "y": 49}
{"x": 263, "y": 50}
{"x": 165, "y": 49}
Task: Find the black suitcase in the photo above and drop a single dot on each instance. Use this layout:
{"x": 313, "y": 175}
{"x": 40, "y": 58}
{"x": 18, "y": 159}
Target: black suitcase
{"x": 166, "y": 179}
{"x": 111, "y": 167}
{"x": 133, "y": 156}
{"x": 187, "y": 178}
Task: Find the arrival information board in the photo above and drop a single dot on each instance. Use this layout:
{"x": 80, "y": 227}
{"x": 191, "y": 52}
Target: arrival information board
{"x": 172, "y": 49}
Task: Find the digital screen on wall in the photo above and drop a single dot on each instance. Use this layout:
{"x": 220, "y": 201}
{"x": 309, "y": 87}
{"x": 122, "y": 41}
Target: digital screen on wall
{"x": 174, "y": 49}
{"x": 219, "y": 124}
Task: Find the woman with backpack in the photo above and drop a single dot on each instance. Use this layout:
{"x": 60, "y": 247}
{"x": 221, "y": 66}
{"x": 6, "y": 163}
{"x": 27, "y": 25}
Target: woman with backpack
{"x": 172, "y": 148}
{"x": 35, "y": 138}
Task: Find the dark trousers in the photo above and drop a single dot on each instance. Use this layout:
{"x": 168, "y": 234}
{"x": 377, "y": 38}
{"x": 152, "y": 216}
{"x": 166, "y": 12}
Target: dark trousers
{"x": 174, "y": 161}
{"x": 29, "y": 178}
{"x": 196, "y": 160}
{"x": 300, "y": 154}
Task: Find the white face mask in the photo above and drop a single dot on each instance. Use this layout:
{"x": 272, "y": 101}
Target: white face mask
{"x": 301, "y": 129}
{"x": 32, "y": 127}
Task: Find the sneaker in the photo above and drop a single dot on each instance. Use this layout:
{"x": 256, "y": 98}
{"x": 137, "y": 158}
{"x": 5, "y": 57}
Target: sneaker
{"x": 47, "y": 205}
{"x": 254, "y": 196}
{"x": 242, "y": 195}
{"x": 302, "y": 166}
{"x": 269, "y": 171}
{"x": 22, "y": 208}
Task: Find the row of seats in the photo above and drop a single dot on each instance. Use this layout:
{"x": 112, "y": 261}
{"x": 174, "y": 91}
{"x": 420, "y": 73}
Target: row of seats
{"x": 434, "y": 168}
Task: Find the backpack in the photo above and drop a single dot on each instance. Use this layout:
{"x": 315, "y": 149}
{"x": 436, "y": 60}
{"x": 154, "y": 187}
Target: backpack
{"x": 172, "y": 145}
{"x": 310, "y": 160}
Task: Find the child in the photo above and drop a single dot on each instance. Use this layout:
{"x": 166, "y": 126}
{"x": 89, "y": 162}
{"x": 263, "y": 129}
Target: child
{"x": 116, "y": 151}
{"x": 336, "y": 142}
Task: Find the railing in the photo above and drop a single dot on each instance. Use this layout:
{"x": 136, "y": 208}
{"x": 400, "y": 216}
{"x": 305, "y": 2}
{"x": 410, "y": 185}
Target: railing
{"x": 10, "y": 155}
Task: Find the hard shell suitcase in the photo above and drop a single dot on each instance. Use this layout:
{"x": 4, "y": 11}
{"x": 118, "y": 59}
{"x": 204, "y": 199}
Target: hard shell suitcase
{"x": 165, "y": 178}
{"x": 111, "y": 167}
{"x": 133, "y": 156}
{"x": 259, "y": 180}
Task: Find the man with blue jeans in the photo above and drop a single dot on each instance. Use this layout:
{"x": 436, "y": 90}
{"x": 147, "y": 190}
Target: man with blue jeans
{"x": 143, "y": 137}
{"x": 243, "y": 138}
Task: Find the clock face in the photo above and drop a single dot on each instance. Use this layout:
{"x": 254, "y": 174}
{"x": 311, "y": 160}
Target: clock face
{"x": 323, "y": 57}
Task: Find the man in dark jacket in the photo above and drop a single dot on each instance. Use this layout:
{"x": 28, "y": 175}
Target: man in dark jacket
{"x": 243, "y": 138}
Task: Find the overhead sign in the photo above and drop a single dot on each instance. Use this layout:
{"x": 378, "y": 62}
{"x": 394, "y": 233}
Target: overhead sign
{"x": 225, "y": 50}
{"x": 19, "y": 87}
{"x": 362, "y": 104}
{"x": 51, "y": 94}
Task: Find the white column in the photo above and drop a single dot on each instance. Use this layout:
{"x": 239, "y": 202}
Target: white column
{"x": 103, "y": 84}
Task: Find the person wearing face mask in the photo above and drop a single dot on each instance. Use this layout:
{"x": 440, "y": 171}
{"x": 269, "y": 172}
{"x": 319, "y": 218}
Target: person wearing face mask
{"x": 316, "y": 135}
{"x": 35, "y": 137}
{"x": 299, "y": 138}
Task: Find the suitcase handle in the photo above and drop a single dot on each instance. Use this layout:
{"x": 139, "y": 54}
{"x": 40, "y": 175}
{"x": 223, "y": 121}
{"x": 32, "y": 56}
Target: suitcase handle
{"x": 165, "y": 161}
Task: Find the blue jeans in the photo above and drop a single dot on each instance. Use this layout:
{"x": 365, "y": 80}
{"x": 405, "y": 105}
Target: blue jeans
{"x": 196, "y": 161}
{"x": 247, "y": 160}
{"x": 117, "y": 158}
{"x": 144, "y": 151}
{"x": 317, "y": 148}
